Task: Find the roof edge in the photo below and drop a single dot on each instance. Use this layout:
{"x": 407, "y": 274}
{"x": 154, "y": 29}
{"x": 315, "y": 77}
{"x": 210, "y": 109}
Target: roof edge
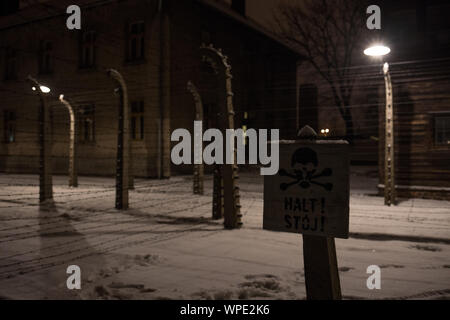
{"x": 249, "y": 23}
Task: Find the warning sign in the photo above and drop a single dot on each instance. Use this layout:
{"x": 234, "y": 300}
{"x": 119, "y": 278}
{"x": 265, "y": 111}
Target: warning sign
{"x": 310, "y": 193}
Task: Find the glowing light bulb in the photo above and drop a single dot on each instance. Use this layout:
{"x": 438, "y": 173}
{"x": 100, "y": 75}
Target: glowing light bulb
{"x": 45, "y": 89}
{"x": 377, "y": 51}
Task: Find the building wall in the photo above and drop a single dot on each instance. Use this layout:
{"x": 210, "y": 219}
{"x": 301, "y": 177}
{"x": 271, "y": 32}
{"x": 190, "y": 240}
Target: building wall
{"x": 82, "y": 87}
{"x": 422, "y": 166}
{"x": 420, "y": 34}
{"x": 262, "y": 90}
{"x": 266, "y": 99}
{"x": 264, "y": 73}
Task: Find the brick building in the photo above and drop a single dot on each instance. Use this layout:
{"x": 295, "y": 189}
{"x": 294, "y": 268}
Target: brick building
{"x": 155, "y": 45}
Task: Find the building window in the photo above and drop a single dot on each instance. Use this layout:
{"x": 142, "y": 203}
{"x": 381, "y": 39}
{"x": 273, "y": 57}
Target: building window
{"x": 137, "y": 120}
{"x": 136, "y": 41}
{"x": 45, "y": 57}
{"x": 10, "y": 126}
{"x": 442, "y": 130}
{"x": 88, "y": 49}
{"x": 10, "y": 64}
{"x": 87, "y": 124}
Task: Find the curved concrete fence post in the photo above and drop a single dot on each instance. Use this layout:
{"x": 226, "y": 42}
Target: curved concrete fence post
{"x": 123, "y": 143}
{"x": 73, "y": 162}
{"x": 229, "y": 173}
{"x": 198, "y": 168}
{"x": 45, "y": 145}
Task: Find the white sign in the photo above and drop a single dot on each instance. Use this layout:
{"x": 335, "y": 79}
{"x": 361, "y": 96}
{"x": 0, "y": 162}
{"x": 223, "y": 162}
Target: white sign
{"x": 310, "y": 193}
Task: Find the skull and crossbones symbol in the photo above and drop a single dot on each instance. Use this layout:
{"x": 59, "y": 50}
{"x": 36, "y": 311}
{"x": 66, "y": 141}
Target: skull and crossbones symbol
{"x": 304, "y": 165}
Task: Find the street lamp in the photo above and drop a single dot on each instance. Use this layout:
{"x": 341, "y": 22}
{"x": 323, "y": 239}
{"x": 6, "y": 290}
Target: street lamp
{"x": 45, "y": 167}
{"x": 44, "y": 89}
{"x": 377, "y": 51}
{"x": 380, "y": 50}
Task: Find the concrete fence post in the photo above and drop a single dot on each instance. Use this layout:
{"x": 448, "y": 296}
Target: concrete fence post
{"x": 198, "y": 168}
{"x": 45, "y": 145}
{"x": 73, "y": 161}
{"x": 123, "y": 143}
{"x": 229, "y": 172}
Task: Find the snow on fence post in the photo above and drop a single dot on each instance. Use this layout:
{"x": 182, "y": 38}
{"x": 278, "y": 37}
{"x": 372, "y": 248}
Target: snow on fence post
{"x": 45, "y": 147}
{"x": 229, "y": 173}
{"x": 73, "y": 161}
{"x": 123, "y": 143}
{"x": 198, "y": 168}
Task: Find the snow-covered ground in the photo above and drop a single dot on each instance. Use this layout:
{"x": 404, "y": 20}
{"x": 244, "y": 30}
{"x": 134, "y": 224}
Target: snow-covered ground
{"x": 167, "y": 247}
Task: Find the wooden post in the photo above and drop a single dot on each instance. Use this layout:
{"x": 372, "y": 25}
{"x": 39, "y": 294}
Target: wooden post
{"x": 319, "y": 256}
{"x": 45, "y": 145}
{"x": 321, "y": 268}
{"x": 123, "y": 144}
{"x": 73, "y": 161}
{"x": 310, "y": 195}
{"x": 389, "y": 153}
